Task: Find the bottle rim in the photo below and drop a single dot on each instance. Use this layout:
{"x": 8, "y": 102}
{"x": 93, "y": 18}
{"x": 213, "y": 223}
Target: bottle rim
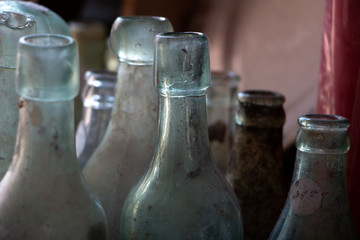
{"x": 322, "y": 121}
{"x": 46, "y": 40}
{"x": 261, "y": 97}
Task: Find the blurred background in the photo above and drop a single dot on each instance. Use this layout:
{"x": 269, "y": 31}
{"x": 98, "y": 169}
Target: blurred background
{"x": 272, "y": 44}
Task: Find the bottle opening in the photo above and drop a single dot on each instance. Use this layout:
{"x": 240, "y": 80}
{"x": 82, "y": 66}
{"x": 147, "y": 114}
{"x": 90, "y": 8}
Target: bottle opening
{"x": 261, "y": 97}
{"x": 46, "y": 40}
{"x": 181, "y": 35}
{"x": 323, "y": 121}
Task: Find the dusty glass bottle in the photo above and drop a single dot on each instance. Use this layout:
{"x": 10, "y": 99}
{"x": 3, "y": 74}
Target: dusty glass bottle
{"x": 183, "y": 194}
{"x": 220, "y": 104}
{"x": 123, "y": 155}
{"x": 317, "y": 205}
{"x": 18, "y": 18}
{"x": 98, "y": 100}
{"x": 256, "y": 171}
{"x": 43, "y": 195}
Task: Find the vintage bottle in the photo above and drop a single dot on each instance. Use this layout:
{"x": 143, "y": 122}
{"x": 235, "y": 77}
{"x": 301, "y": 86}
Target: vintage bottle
{"x": 124, "y": 153}
{"x": 317, "y": 204}
{"x": 256, "y": 171}
{"x": 43, "y": 195}
{"x": 220, "y": 104}
{"x": 98, "y": 100}
{"x": 183, "y": 194}
{"x": 18, "y": 18}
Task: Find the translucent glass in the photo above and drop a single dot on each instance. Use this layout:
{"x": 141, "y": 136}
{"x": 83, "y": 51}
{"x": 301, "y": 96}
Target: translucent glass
{"x": 98, "y": 100}
{"x": 34, "y": 53}
{"x": 43, "y": 194}
{"x": 182, "y": 195}
{"x": 131, "y": 34}
{"x": 220, "y": 104}
{"x": 256, "y": 169}
{"x": 123, "y": 155}
{"x": 18, "y": 18}
{"x": 317, "y": 205}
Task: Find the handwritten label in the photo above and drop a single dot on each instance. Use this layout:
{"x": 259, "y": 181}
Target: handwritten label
{"x": 305, "y": 196}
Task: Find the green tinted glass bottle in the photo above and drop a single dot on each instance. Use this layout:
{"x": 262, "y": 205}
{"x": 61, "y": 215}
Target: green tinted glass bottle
{"x": 43, "y": 195}
{"x": 183, "y": 194}
{"x": 317, "y": 205}
{"x": 18, "y": 18}
{"x": 123, "y": 155}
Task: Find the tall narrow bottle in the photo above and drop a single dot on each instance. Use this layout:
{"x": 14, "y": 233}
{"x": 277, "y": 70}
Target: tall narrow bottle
{"x": 183, "y": 194}
{"x": 256, "y": 171}
{"x": 317, "y": 205}
{"x": 123, "y": 155}
{"x": 98, "y": 101}
{"x": 17, "y": 19}
{"x": 43, "y": 195}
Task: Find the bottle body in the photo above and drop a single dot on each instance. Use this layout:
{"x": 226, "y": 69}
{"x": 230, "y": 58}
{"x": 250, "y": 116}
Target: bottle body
{"x": 256, "y": 170}
{"x": 220, "y": 104}
{"x": 18, "y": 18}
{"x": 182, "y": 194}
{"x": 98, "y": 100}
{"x": 317, "y": 205}
{"x": 43, "y": 190}
{"x": 62, "y": 207}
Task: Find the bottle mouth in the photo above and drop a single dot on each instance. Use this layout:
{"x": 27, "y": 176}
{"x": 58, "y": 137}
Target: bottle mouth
{"x": 261, "y": 97}
{"x": 323, "y": 121}
{"x": 142, "y": 18}
{"x": 46, "y": 40}
{"x": 180, "y": 35}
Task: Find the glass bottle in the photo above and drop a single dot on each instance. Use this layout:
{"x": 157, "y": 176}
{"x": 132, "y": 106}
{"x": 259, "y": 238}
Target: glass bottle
{"x": 183, "y": 195}
{"x": 123, "y": 155}
{"x": 98, "y": 100}
{"x": 256, "y": 171}
{"x": 18, "y": 18}
{"x": 220, "y": 104}
{"x": 43, "y": 194}
{"x": 317, "y": 205}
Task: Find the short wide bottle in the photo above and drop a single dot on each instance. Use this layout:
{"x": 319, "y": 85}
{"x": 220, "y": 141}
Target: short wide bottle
{"x": 43, "y": 195}
{"x": 317, "y": 205}
{"x": 183, "y": 194}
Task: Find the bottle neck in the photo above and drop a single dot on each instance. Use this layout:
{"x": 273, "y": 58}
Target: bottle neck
{"x": 323, "y": 172}
{"x": 45, "y": 139}
{"x": 182, "y": 134}
{"x": 135, "y": 93}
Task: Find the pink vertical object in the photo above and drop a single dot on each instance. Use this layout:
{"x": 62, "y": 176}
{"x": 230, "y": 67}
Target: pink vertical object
{"x": 339, "y": 85}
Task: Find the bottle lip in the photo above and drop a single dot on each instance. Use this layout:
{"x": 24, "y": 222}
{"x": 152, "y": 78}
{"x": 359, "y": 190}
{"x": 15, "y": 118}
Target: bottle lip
{"x": 261, "y": 97}
{"x": 181, "y": 35}
{"x": 43, "y": 40}
{"x": 321, "y": 121}
{"x": 141, "y": 18}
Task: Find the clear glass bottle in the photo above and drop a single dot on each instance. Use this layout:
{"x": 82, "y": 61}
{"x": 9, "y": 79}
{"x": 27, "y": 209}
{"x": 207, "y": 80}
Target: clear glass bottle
{"x": 317, "y": 205}
{"x": 220, "y": 104}
{"x": 98, "y": 100}
{"x": 18, "y": 18}
{"x": 123, "y": 155}
{"x": 183, "y": 195}
{"x": 256, "y": 169}
{"x": 43, "y": 194}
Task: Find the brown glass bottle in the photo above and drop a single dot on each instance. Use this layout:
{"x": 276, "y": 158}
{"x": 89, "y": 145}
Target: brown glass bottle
{"x": 256, "y": 167}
